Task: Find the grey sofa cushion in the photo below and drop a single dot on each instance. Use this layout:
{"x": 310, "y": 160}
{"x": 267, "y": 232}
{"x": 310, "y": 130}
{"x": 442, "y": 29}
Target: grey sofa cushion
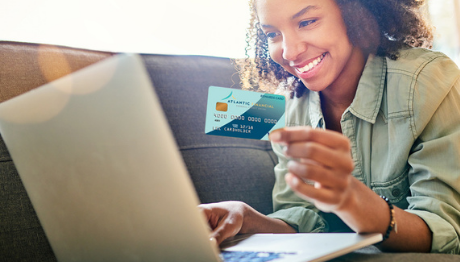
{"x": 221, "y": 168}
{"x": 21, "y": 235}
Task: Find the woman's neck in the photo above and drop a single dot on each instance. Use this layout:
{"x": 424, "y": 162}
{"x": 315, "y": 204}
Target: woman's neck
{"x": 340, "y": 94}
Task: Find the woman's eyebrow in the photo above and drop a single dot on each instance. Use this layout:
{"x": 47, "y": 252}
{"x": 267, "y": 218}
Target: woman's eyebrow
{"x": 300, "y": 13}
{"x": 303, "y": 11}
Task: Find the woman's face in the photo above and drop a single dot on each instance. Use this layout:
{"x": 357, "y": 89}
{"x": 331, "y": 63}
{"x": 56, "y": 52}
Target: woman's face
{"x": 308, "y": 38}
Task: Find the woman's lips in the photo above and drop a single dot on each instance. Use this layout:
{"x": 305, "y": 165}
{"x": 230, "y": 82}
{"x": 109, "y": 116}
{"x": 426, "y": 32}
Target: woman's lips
{"x": 309, "y": 70}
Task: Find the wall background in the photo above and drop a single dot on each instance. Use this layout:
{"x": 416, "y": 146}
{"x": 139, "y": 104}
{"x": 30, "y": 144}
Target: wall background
{"x": 200, "y": 27}
{"x": 445, "y": 15}
{"x": 205, "y": 27}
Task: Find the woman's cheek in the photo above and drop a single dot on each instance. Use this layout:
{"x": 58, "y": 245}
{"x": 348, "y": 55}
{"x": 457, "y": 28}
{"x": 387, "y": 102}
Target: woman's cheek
{"x": 276, "y": 53}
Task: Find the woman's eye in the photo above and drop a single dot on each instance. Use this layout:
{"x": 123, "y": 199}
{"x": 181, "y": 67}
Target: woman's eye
{"x": 271, "y": 35}
{"x": 306, "y": 23}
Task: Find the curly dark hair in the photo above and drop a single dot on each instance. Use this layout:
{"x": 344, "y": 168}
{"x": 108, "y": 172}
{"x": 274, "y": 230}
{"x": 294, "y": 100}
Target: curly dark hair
{"x": 380, "y": 27}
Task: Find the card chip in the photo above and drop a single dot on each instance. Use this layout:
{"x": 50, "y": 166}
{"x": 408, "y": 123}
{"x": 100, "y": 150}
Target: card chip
{"x": 221, "y": 107}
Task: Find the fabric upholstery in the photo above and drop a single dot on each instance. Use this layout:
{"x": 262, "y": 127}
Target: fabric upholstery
{"x": 27, "y": 66}
{"x": 221, "y": 168}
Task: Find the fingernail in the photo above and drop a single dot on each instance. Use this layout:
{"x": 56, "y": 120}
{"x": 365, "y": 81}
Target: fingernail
{"x": 212, "y": 239}
{"x": 293, "y": 180}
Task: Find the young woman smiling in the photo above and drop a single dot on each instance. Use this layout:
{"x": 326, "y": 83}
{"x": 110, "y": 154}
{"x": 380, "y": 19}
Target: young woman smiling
{"x": 372, "y": 142}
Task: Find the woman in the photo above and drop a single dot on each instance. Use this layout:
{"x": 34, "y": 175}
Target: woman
{"x": 372, "y": 142}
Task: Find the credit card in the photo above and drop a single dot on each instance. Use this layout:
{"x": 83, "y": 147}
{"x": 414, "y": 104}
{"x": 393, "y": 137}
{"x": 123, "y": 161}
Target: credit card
{"x": 242, "y": 113}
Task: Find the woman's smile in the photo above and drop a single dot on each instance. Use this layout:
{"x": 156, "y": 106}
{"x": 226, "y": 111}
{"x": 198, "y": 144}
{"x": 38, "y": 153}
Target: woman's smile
{"x": 310, "y": 68}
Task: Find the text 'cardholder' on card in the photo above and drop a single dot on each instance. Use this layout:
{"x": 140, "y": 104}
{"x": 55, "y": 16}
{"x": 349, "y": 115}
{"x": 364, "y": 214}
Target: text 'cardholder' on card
{"x": 244, "y": 114}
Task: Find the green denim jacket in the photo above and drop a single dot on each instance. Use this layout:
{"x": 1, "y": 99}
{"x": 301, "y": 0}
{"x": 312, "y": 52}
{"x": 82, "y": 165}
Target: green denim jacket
{"x": 404, "y": 128}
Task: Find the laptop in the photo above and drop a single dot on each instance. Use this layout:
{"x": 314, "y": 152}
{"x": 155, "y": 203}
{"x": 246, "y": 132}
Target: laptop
{"x": 104, "y": 174}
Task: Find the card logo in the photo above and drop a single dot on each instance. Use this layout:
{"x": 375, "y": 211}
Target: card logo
{"x": 231, "y": 95}
{"x": 223, "y": 107}
{"x": 232, "y": 100}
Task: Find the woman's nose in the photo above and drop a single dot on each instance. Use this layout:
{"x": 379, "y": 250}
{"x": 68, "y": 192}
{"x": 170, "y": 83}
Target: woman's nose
{"x": 293, "y": 46}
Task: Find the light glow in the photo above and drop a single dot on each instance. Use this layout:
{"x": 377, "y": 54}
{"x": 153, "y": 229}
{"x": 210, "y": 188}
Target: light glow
{"x": 199, "y": 27}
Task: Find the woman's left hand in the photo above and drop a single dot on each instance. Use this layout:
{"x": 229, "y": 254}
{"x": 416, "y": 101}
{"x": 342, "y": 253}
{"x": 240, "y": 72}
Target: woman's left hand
{"x": 324, "y": 158}
{"x": 321, "y": 171}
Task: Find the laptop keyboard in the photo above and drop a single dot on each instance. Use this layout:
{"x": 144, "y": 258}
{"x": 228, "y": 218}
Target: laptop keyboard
{"x": 251, "y": 256}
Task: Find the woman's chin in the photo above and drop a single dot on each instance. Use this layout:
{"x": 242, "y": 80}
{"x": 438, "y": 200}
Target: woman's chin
{"x": 316, "y": 87}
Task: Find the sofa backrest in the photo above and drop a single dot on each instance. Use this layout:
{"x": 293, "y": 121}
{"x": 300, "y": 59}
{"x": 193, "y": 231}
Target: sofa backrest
{"x": 221, "y": 168}
{"x": 26, "y": 66}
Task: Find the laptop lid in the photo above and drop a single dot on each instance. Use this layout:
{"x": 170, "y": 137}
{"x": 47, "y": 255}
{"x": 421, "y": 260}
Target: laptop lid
{"x": 102, "y": 169}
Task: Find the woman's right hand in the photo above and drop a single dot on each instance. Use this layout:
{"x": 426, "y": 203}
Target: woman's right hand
{"x": 225, "y": 218}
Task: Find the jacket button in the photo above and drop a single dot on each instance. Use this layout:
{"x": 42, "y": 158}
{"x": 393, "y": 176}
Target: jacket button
{"x": 396, "y": 192}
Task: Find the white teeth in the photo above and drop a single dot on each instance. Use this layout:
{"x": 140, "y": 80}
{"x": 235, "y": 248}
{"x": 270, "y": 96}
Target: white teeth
{"x": 311, "y": 64}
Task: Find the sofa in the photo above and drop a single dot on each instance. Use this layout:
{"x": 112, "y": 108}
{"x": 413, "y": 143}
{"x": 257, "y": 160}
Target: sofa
{"x": 221, "y": 168}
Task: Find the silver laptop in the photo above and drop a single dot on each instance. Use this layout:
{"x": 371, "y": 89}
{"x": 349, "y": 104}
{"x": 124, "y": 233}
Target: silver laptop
{"x": 104, "y": 174}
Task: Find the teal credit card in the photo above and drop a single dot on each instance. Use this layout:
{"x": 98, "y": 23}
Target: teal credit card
{"x": 244, "y": 114}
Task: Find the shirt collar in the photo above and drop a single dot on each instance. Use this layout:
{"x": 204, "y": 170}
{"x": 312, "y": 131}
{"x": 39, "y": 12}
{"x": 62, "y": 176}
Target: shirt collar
{"x": 316, "y": 114}
{"x": 368, "y": 98}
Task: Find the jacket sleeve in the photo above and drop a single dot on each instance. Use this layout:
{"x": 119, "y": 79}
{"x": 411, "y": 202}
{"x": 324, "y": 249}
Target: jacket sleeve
{"x": 434, "y": 175}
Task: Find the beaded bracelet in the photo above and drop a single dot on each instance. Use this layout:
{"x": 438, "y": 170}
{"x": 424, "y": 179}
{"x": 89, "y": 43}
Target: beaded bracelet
{"x": 392, "y": 224}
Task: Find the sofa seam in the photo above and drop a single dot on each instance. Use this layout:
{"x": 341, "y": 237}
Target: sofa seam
{"x": 221, "y": 146}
